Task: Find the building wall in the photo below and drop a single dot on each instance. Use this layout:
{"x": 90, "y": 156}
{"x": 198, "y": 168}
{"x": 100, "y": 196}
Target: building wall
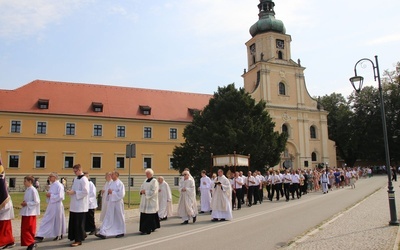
{"x": 55, "y": 145}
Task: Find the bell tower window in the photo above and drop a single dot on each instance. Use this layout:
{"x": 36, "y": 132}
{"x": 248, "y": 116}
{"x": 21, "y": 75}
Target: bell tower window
{"x": 280, "y": 55}
{"x": 282, "y": 89}
{"x": 253, "y": 52}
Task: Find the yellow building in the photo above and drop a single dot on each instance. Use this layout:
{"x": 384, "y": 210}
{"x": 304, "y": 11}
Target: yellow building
{"x": 274, "y": 77}
{"x": 48, "y": 126}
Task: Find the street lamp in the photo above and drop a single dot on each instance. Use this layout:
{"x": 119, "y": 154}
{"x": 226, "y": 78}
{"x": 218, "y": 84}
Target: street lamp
{"x": 357, "y": 82}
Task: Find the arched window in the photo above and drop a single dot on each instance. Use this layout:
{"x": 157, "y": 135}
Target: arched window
{"x": 280, "y": 55}
{"x": 285, "y": 129}
{"x": 313, "y": 132}
{"x": 282, "y": 88}
{"x": 313, "y": 156}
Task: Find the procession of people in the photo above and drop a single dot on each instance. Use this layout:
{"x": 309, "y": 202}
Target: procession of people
{"x": 219, "y": 196}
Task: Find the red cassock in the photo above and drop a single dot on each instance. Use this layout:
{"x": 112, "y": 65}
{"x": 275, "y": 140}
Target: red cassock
{"x": 6, "y": 236}
{"x": 28, "y": 229}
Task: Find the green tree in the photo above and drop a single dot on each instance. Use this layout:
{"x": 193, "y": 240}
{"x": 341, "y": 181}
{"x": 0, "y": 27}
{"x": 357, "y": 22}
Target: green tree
{"x": 231, "y": 122}
{"x": 341, "y": 127}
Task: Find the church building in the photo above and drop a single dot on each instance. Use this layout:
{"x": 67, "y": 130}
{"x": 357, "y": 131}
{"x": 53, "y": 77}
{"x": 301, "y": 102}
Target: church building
{"x": 274, "y": 77}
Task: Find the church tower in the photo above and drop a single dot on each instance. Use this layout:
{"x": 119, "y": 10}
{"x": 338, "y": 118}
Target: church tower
{"x": 274, "y": 77}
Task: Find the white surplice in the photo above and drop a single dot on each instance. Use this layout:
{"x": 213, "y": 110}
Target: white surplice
{"x": 187, "y": 206}
{"x": 164, "y": 200}
{"x": 7, "y": 212}
{"x": 92, "y": 199}
{"x": 104, "y": 199}
{"x": 32, "y": 199}
{"x": 79, "y": 201}
{"x": 53, "y": 223}
{"x": 114, "y": 219}
{"x": 205, "y": 193}
{"x": 149, "y": 200}
{"x": 221, "y": 201}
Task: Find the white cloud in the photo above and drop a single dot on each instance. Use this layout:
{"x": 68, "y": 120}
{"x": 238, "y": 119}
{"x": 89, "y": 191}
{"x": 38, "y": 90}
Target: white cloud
{"x": 26, "y": 17}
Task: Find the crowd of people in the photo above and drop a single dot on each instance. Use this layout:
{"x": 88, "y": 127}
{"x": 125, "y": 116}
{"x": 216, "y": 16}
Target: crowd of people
{"x": 219, "y": 196}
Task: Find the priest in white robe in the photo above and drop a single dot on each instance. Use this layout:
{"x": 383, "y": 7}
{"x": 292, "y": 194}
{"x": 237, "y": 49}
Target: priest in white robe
{"x": 114, "y": 219}
{"x": 149, "y": 206}
{"x": 104, "y": 195}
{"x": 78, "y": 207}
{"x": 205, "y": 192}
{"x": 187, "y": 207}
{"x": 164, "y": 199}
{"x": 221, "y": 201}
{"x": 53, "y": 223}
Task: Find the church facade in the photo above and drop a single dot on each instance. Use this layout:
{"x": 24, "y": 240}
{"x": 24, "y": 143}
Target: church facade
{"x": 272, "y": 76}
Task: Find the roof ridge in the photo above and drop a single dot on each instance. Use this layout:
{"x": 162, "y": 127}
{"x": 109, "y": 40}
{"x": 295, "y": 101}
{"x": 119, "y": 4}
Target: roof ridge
{"x": 112, "y": 87}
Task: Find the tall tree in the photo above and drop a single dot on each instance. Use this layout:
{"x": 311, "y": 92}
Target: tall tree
{"x": 231, "y": 122}
{"x": 341, "y": 127}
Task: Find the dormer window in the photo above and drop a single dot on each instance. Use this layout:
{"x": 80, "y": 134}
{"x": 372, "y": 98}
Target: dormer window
{"x": 193, "y": 111}
{"x": 43, "y": 104}
{"x": 97, "y": 106}
{"x": 145, "y": 110}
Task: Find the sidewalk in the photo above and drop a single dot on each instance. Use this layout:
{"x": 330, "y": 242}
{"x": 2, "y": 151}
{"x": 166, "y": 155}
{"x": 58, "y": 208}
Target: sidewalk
{"x": 363, "y": 226}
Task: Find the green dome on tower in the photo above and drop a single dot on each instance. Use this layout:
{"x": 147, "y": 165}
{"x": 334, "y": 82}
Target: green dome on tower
{"x": 267, "y": 21}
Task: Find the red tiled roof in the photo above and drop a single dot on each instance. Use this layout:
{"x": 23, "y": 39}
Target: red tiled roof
{"x": 118, "y": 102}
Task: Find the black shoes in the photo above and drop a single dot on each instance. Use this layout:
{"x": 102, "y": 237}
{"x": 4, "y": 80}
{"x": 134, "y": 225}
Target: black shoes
{"x": 10, "y": 245}
{"x": 58, "y": 238}
{"x": 39, "y": 239}
{"x": 215, "y": 219}
{"x": 100, "y": 236}
{"x": 120, "y": 236}
{"x": 185, "y": 222}
{"x": 92, "y": 232}
{"x": 194, "y": 219}
{"x": 32, "y": 246}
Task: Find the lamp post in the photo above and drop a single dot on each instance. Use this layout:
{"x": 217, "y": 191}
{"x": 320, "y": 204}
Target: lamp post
{"x": 357, "y": 82}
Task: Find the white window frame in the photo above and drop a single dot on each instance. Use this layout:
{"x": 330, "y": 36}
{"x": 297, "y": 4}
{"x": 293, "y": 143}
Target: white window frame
{"x": 20, "y": 127}
{"x": 66, "y": 128}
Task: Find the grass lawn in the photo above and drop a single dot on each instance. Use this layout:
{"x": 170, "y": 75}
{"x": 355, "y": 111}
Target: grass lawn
{"x": 18, "y": 197}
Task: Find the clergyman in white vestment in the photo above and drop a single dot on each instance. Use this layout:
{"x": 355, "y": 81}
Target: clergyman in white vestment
{"x": 114, "y": 220}
{"x": 164, "y": 199}
{"x": 53, "y": 223}
{"x": 221, "y": 201}
{"x": 205, "y": 192}
{"x": 104, "y": 196}
{"x": 187, "y": 207}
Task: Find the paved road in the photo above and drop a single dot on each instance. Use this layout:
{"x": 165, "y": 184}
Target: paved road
{"x": 270, "y": 225}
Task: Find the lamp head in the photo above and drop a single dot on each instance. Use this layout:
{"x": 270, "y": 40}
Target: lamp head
{"x": 357, "y": 82}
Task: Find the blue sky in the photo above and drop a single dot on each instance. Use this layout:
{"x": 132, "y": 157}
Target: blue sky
{"x": 188, "y": 45}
